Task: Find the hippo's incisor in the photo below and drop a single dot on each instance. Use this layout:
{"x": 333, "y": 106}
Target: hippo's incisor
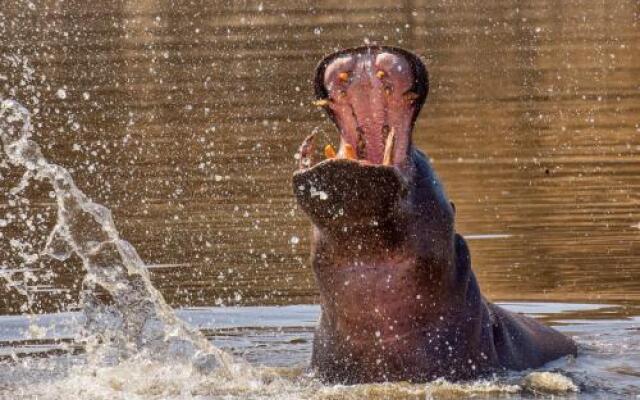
{"x": 399, "y": 299}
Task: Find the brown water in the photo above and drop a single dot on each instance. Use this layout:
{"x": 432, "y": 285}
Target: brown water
{"x": 183, "y": 118}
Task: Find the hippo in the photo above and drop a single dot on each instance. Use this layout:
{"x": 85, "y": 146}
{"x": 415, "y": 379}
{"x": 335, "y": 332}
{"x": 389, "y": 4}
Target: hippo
{"x": 399, "y": 300}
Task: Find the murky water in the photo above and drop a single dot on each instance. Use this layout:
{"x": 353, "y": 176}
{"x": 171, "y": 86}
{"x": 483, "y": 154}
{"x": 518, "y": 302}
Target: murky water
{"x": 182, "y": 118}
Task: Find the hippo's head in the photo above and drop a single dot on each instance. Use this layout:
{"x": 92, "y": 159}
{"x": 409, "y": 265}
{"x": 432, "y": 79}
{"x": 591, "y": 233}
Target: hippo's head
{"x": 377, "y": 181}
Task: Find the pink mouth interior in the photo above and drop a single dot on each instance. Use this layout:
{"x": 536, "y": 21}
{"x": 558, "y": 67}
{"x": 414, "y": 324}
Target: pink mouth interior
{"x": 370, "y": 96}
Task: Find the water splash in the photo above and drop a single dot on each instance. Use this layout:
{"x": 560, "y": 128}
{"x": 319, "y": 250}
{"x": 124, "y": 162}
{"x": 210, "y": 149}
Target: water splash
{"x": 136, "y": 320}
{"x": 154, "y": 381}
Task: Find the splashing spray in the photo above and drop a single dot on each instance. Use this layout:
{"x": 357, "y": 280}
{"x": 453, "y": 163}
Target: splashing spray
{"x": 136, "y": 320}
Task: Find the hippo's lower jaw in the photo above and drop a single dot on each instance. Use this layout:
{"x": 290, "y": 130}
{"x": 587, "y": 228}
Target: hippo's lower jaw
{"x": 346, "y": 198}
{"x": 399, "y": 299}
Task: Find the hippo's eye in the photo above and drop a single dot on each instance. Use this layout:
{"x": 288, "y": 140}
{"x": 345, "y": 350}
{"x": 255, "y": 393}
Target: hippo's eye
{"x": 343, "y": 76}
{"x": 380, "y": 74}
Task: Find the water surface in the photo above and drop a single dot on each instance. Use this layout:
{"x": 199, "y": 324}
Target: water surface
{"x": 278, "y": 340}
{"x": 183, "y": 118}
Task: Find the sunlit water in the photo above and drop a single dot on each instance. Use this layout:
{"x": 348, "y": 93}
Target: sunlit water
{"x": 182, "y": 119}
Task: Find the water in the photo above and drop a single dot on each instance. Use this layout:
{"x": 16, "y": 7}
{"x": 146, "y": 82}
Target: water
{"x": 278, "y": 339}
{"x": 182, "y": 120}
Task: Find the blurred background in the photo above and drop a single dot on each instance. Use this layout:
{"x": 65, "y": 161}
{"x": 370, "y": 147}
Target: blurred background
{"x": 183, "y": 118}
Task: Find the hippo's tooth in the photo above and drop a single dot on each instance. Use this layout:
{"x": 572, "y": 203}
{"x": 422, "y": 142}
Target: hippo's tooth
{"x": 305, "y": 153}
{"x": 349, "y": 152}
{"x": 329, "y": 151}
{"x": 321, "y": 102}
{"x": 388, "y": 148}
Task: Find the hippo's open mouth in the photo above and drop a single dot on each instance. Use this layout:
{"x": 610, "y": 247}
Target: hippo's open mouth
{"x": 373, "y": 94}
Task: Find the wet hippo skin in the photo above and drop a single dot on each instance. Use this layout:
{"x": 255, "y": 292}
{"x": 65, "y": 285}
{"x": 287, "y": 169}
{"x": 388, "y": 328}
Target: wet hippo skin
{"x": 398, "y": 296}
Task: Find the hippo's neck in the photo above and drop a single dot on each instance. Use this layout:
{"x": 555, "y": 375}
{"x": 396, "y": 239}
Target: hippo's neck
{"x": 387, "y": 322}
{"x": 397, "y": 305}
{"x": 378, "y": 289}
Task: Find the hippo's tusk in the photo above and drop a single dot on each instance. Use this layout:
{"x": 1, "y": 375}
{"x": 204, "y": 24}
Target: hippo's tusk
{"x": 329, "y": 151}
{"x": 388, "y": 148}
{"x": 348, "y": 152}
{"x": 305, "y": 153}
{"x": 321, "y": 102}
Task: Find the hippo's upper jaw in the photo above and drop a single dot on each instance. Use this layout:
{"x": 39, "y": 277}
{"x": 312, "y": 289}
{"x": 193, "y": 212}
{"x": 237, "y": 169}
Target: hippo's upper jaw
{"x": 373, "y": 94}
